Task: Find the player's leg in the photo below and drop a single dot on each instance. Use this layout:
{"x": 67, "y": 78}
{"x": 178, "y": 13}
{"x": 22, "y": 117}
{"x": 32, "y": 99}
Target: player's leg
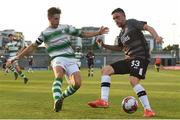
{"x": 158, "y": 67}
{"x": 155, "y": 66}
{"x": 56, "y": 88}
{"x": 92, "y": 70}
{"x": 6, "y": 70}
{"x": 142, "y": 95}
{"x": 105, "y": 88}
{"x": 30, "y": 69}
{"x": 138, "y": 70}
{"x": 74, "y": 80}
{"x": 119, "y": 67}
{"x": 75, "y": 83}
{"x": 59, "y": 71}
{"x": 89, "y": 69}
{"x": 13, "y": 69}
{"x": 20, "y": 73}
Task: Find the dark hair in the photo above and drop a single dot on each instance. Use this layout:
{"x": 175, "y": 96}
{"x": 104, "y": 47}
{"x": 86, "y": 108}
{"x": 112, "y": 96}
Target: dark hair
{"x": 10, "y": 35}
{"x": 119, "y": 10}
{"x": 53, "y": 10}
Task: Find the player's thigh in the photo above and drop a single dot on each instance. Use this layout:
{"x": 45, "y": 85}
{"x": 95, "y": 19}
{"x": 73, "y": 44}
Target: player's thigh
{"x": 134, "y": 80}
{"x": 74, "y": 75}
{"x": 107, "y": 70}
{"x": 59, "y": 66}
{"x": 138, "y": 67}
{"x": 89, "y": 65}
{"x": 120, "y": 67}
{"x": 16, "y": 65}
{"x": 75, "y": 79}
{"x": 58, "y": 72}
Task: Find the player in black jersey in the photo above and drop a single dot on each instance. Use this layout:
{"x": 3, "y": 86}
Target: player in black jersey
{"x": 30, "y": 63}
{"x": 132, "y": 41}
{"x": 90, "y": 62}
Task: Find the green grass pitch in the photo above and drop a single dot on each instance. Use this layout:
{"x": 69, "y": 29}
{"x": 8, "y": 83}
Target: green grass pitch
{"x": 34, "y": 100}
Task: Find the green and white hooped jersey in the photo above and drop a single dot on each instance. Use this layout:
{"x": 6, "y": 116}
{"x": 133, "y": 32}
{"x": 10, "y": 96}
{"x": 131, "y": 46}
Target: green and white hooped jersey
{"x": 78, "y": 55}
{"x": 57, "y": 40}
{"x": 13, "y": 47}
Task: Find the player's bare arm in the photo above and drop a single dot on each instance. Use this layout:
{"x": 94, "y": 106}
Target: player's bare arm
{"x": 26, "y": 51}
{"x": 21, "y": 50}
{"x": 110, "y": 47}
{"x": 153, "y": 32}
{"x": 101, "y": 31}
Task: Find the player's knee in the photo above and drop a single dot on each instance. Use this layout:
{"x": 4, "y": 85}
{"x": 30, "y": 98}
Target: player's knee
{"x": 134, "y": 81}
{"x": 107, "y": 70}
{"x": 77, "y": 85}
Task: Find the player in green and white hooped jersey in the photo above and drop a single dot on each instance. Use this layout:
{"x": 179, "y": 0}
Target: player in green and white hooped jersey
{"x": 12, "y": 48}
{"x": 57, "y": 42}
{"x": 78, "y": 56}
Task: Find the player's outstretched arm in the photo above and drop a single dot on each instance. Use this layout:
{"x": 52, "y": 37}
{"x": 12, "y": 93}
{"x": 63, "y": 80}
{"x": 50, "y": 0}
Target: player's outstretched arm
{"x": 26, "y": 51}
{"x": 110, "y": 47}
{"x": 101, "y": 31}
{"x": 153, "y": 32}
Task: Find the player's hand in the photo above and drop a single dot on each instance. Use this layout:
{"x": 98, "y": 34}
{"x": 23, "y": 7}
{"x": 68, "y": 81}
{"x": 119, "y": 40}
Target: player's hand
{"x": 159, "y": 39}
{"x": 103, "y": 30}
{"x": 11, "y": 60}
{"x": 99, "y": 42}
{"x": 8, "y": 63}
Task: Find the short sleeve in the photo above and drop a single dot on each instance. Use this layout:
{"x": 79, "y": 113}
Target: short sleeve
{"x": 40, "y": 39}
{"x": 137, "y": 24}
{"x": 74, "y": 31}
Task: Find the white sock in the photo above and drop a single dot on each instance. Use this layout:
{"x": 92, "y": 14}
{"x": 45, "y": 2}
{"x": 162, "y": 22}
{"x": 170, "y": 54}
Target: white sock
{"x": 143, "y": 99}
{"x": 105, "y": 87}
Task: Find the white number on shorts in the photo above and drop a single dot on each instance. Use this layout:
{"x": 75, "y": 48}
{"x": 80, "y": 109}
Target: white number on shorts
{"x": 135, "y": 63}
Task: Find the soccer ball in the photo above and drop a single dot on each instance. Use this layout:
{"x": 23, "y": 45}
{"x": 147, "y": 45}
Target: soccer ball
{"x": 129, "y": 104}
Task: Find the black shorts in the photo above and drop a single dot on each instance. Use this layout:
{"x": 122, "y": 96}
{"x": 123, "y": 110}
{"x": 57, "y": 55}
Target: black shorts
{"x": 90, "y": 64}
{"x": 4, "y": 66}
{"x": 158, "y": 64}
{"x": 135, "y": 67}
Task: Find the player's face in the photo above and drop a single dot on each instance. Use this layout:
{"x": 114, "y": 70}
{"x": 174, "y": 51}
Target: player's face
{"x": 119, "y": 19}
{"x": 54, "y": 20}
{"x": 11, "y": 38}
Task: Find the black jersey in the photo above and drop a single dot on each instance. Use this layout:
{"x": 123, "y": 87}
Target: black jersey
{"x": 90, "y": 57}
{"x": 30, "y": 61}
{"x": 132, "y": 40}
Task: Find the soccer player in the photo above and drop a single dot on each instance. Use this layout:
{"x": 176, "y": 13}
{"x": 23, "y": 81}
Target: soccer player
{"x": 4, "y": 60}
{"x": 132, "y": 41}
{"x": 13, "y": 47}
{"x": 30, "y": 63}
{"x": 90, "y": 62}
{"x": 56, "y": 39}
{"x": 157, "y": 63}
{"x": 78, "y": 56}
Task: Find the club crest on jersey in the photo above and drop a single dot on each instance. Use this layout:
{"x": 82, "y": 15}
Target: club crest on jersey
{"x": 124, "y": 38}
{"x": 63, "y": 31}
